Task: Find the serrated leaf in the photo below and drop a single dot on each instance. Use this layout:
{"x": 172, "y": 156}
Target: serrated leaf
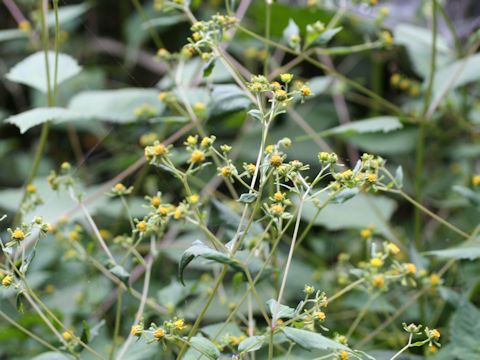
{"x": 382, "y": 123}
{"x": 121, "y": 273}
{"x": 320, "y": 38}
{"x": 247, "y": 198}
{"x": 199, "y": 249}
{"x": 115, "y": 105}
{"x": 291, "y": 30}
{"x": 206, "y": 346}
{"x": 31, "y": 71}
{"x": 31, "y": 118}
{"x": 227, "y": 99}
{"x": 284, "y": 312}
{"x": 470, "y": 253}
{"x": 251, "y": 343}
{"x": 310, "y": 340}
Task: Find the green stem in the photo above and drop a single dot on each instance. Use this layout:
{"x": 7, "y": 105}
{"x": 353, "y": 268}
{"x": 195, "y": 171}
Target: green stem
{"x": 268, "y": 14}
{"x": 421, "y": 135}
{"x": 118, "y": 316}
{"x": 156, "y": 39}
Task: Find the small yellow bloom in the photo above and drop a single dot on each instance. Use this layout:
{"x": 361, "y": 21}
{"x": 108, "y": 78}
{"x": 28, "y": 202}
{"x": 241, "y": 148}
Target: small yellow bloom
{"x": 395, "y": 79}
{"x": 320, "y": 315}
{"x": 404, "y": 84}
{"x": 179, "y": 324}
{"x": 18, "y": 234}
{"x": 434, "y": 279}
{"x": 177, "y": 214}
{"x": 193, "y": 199}
{"x": 158, "y": 149}
{"x": 119, "y": 186}
{"x": 432, "y": 349}
{"x": 393, "y": 248}
{"x": 162, "y": 96}
{"x": 142, "y": 226}
{"x": 7, "y": 280}
{"x": 372, "y": 177}
{"x": 277, "y": 209}
{"x": 197, "y": 156}
{"x": 378, "y": 281}
{"x": 476, "y": 180}
{"x": 191, "y": 140}
{"x": 277, "y": 85}
{"x": 67, "y": 336}
{"x": 412, "y": 269}
{"x": 376, "y": 262}
{"x": 163, "y": 210}
{"x": 280, "y": 94}
{"x": 286, "y": 78}
{"x": 31, "y": 188}
{"x": 435, "y": 333}
{"x": 73, "y": 235}
{"x": 199, "y": 107}
{"x": 137, "y": 330}
{"x": 225, "y": 171}
{"x": 279, "y": 196}
{"x": 155, "y": 201}
{"x": 24, "y": 25}
{"x": 343, "y": 355}
{"x": 196, "y": 36}
{"x": 366, "y": 233}
{"x": 306, "y": 91}
{"x": 234, "y": 340}
{"x": 269, "y": 149}
{"x": 276, "y": 160}
{"x": 159, "y": 333}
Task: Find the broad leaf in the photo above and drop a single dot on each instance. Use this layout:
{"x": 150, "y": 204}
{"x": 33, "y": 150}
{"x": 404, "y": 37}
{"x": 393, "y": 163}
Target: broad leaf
{"x": 227, "y": 99}
{"x": 284, "y": 312}
{"x": 199, "y": 249}
{"x": 205, "y": 346}
{"x": 28, "y": 119}
{"x": 290, "y": 33}
{"x": 382, "y": 123}
{"x": 115, "y": 105}
{"x": 247, "y": 198}
{"x": 31, "y": 71}
{"x": 310, "y": 340}
{"x": 470, "y": 253}
{"x": 67, "y": 14}
{"x": 316, "y": 38}
{"x": 471, "y": 195}
{"x": 12, "y": 34}
{"x": 251, "y": 343}
{"x": 121, "y": 273}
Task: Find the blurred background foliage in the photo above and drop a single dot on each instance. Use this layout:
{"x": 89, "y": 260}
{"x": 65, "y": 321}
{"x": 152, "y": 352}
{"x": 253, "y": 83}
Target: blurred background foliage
{"x": 112, "y": 42}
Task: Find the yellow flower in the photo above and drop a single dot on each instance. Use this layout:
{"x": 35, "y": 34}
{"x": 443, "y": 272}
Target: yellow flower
{"x": 24, "y": 25}
{"x": 119, "y": 186}
{"x": 432, "y": 349}
{"x": 435, "y": 333}
{"x": 193, "y": 199}
{"x": 343, "y": 355}
{"x": 179, "y": 324}
{"x": 320, "y": 315}
{"x": 7, "y": 280}
{"x": 234, "y": 340}
{"x": 412, "y": 269}
{"x": 366, "y": 233}
{"x": 18, "y": 234}
{"x": 158, "y": 149}
{"x": 31, "y": 188}
{"x": 376, "y": 262}
{"x": 225, "y": 171}
{"x": 395, "y": 79}
{"x": 191, "y": 140}
{"x": 277, "y": 85}
{"x": 252, "y": 168}
{"x": 269, "y": 148}
{"x": 276, "y": 160}
{"x": 277, "y": 209}
{"x": 434, "y": 279}
{"x": 306, "y": 91}
{"x": 199, "y": 107}
{"x": 378, "y": 281}
{"x": 67, "y": 336}
{"x": 279, "y": 196}
{"x": 196, "y": 36}
{"x": 159, "y": 333}
{"x": 404, "y": 84}
{"x": 280, "y": 94}
{"x": 163, "y": 210}
{"x": 137, "y": 330}
{"x": 155, "y": 201}
{"x": 162, "y": 96}
{"x": 476, "y": 180}
{"x": 197, "y": 156}
{"x": 286, "y": 78}
{"x": 142, "y": 226}
{"x": 177, "y": 214}
{"x": 372, "y": 177}
{"x": 73, "y": 235}
{"x": 393, "y": 248}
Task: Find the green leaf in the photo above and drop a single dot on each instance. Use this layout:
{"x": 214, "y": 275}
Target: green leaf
{"x": 31, "y": 118}
{"x": 12, "y": 34}
{"x": 251, "y": 343}
{"x": 344, "y": 195}
{"x": 398, "y": 142}
{"x": 382, "y": 123}
{"x": 355, "y": 213}
{"x": 471, "y": 195}
{"x": 418, "y": 42}
{"x": 319, "y": 84}
{"x": 465, "y": 332}
{"x": 51, "y": 355}
{"x": 200, "y": 249}
{"x": 227, "y": 99}
{"x": 170, "y": 119}
{"x": 31, "y": 71}
{"x": 449, "y": 78}
{"x": 291, "y": 30}
{"x": 115, "y": 105}
{"x": 315, "y": 38}
{"x": 284, "y": 312}
{"x": 247, "y": 198}
{"x": 121, "y": 273}
{"x": 399, "y": 176}
{"x": 310, "y": 340}
{"x": 19, "y": 303}
{"x": 67, "y": 14}
{"x": 206, "y": 346}
{"x": 208, "y": 68}
{"x": 165, "y": 21}
{"x": 470, "y": 253}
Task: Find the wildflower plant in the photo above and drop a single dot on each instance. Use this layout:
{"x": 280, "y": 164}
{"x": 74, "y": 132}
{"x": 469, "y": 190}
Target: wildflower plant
{"x": 249, "y": 244}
